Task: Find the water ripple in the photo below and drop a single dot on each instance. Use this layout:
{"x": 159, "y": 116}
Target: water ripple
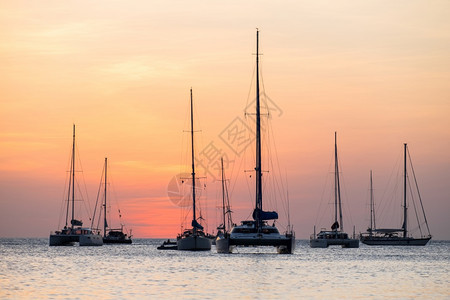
{"x": 29, "y": 268}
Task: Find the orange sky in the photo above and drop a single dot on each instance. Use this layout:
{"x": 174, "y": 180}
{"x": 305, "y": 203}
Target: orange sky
{"x": 377, "y": 72}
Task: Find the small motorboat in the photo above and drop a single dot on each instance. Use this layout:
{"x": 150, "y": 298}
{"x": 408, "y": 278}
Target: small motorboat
{"x": 168, "y": 245}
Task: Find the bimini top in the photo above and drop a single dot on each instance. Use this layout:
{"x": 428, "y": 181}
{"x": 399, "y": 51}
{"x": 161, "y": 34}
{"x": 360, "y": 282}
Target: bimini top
{"x": 259, "y": 214}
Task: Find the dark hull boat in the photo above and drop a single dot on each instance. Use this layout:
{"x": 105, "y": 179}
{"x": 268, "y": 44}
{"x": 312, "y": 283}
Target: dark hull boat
{"x": 117, "y": 237}
{"x": 257, "y": 232}
{"x": 222, "y": 241}
{"x": 110, "y": 235}
{"x": 394, "y": 241}
{"x": 73, "y": 232}
{"x": 249, "y": 234}
{"x": 71, "y": 236}
{"x": 168, "y": 245}
{"x": 396, "y": 237}
{"x": 334, "y": 236}
{"x": 195, "y": 238}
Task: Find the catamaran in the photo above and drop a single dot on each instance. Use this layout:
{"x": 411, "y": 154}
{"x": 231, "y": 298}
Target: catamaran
{"x": 74, "y": 232}
{"x": 335, "y": 236}
{"x": 193, "y": 239}
{"x": 258, "y": 232}
{"x": 397, "y": 236}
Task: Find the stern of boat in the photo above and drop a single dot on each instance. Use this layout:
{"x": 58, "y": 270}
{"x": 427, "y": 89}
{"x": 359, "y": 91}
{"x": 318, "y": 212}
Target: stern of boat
{"x": 91, "y": 240}
{"x": 194, "y": 243}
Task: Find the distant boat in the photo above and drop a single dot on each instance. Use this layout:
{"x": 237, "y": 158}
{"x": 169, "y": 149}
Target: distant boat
{"x": 168, "y": 245}
{"x": 257, "y": 232}
{"x": 335, "y": 236}
{"x": 396, "y": 236}
{"x": 110, "y": 235}
{"x": 73, "y": 232}
{"x": 222, "y": 243}
{"x": 193, "y": 239}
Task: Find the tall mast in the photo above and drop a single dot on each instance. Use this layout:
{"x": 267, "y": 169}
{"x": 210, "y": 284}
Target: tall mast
{"x": 105, "y": 224}
{"x": 223, "y": 196}
{"x": 258, "y": 136}
{"x": 337, "y": 188}
{"x": 405, "y": 223}
{"x": 68, "y": 200}
{"x": 339, "y": 195}
{"x": 73, "y": 177}
{"x": 288, "y": 208}
{"x": 372, "y": 206}
{"x": 193, "y": 167}
{"x": 69, "y": 189}
{"x": 335, "y": 179}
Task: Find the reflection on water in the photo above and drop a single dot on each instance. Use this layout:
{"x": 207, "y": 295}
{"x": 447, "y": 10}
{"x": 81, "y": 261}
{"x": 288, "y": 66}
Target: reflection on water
{"x": 29, "y": 268}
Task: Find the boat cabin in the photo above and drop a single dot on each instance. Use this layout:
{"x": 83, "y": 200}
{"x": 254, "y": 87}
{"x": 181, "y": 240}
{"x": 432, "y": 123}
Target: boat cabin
{"x": 249, "y": 227}
{"x": 190, "y": 232}
{"x": 74, "y": 231}
{"x": 332, "y": 235}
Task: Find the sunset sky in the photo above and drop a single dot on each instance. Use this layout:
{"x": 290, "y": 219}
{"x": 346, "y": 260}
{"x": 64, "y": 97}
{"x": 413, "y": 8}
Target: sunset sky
{"x": 377, "y": 72}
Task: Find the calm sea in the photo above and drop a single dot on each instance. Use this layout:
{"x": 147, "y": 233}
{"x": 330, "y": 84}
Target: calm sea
{"x": 30, "y": 269}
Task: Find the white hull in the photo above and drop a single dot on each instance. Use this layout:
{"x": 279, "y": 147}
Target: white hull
{"x": 284, "y": 245}
{"x": 68, "y": 237}
{"x": 91, "y": 240}
{"x": 247, "y": 235}
{"x": 324, "y": 243}
{"x": 194, "y": 243}
{"x": 72, "y": 239}
{"x": 223, "y": 245}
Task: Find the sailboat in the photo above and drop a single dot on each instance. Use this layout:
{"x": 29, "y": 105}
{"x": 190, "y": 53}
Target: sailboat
{"x": 73, "y": 232}
{"x": 258, "y": 232}
{"x": 193, "y": 239}
{"x": 110, "y": 235}
{"x": 224, "y": 229}
{"x": 397, "y": 236}
{"x": 335, "y": 236}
